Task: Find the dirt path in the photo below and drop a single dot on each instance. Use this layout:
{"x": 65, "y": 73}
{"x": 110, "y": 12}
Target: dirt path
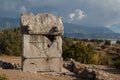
{"x": 20, "y": 75}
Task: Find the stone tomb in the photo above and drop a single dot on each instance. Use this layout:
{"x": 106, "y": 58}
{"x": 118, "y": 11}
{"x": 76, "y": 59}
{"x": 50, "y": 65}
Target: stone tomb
{"x": 42, "y": 43}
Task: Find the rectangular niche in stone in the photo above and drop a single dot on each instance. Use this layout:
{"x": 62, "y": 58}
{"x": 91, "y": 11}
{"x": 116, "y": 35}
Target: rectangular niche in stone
{"x": 42, "y": 43}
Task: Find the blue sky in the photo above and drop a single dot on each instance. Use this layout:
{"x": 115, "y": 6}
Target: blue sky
{"x": 84, "y": 12}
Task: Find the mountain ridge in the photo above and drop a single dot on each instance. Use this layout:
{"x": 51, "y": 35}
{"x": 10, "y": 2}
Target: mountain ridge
{"x": 70, "y": 30}
{"x": 6, "y": 22}
{"x": 87, "y": 29}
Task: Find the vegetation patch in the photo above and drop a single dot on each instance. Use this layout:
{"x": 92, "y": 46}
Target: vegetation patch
{"x": 3, "y": 77}
{"x": 10, "y": 42}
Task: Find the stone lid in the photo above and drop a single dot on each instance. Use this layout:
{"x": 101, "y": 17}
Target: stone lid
{"x": 45, "y": 24}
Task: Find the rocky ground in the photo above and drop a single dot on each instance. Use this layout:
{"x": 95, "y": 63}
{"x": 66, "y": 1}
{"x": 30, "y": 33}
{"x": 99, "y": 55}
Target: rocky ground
{"x": 11, "y": 59}
{"x": 20, "y": 75}
{"x": 92, "y": 72}
{"x": 82, "y": 72}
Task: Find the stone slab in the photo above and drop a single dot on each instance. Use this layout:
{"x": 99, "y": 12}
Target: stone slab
{"x": 36, "y": 46}
{"x": 41, "y": 24}
{"x": 43, "y": 65}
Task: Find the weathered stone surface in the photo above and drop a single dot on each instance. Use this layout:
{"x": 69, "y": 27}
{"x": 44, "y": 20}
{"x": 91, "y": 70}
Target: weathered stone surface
{"x": 41, "y": 46}
{"x": 42, "y": 43}
{"x": 41, "y": 24}
{"x": 43, "y": 64}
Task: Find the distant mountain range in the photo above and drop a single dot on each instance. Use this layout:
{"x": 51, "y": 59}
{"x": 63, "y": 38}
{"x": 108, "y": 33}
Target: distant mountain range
{"x": 6, "y": 22}
{"x": 74, "y": 28}
{"x": 116, "y": 28}
{"x": 92, "y": 32}
{"x": 71, "y": 30}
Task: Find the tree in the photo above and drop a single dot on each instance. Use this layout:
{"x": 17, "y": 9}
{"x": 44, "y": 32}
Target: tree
{"x": 10, "y": 42}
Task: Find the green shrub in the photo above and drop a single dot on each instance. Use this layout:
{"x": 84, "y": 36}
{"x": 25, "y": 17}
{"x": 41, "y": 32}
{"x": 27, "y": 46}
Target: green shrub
{"x": 96, "y": 59}
{"x": 107, "y": 42}
{"x": 105, "y": 60}
{"x": 77, "y": 51}
{"x": 3, "y": 77}
{"x": 10, "y": 42}
{"x": 117, "y": 63}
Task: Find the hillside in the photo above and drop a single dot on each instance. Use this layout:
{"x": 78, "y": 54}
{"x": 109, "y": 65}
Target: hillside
{"x": 89, "y": 32}
{"x": 116, "y": 28}
{"x": 71, "y": 30}
{"x": 85, "y": 51}
{"x": 74, "y": 28}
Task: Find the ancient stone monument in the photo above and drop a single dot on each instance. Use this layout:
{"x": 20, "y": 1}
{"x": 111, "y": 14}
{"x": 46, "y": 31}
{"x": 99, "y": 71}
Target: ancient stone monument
{"x": 42, "y": 43}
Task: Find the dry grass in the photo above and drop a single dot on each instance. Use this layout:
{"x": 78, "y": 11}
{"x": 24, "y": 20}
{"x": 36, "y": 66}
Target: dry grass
{"x": 11, "y": 59}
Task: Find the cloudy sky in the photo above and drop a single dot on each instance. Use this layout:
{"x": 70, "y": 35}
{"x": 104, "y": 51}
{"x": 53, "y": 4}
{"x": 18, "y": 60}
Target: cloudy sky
{"x": 85, "y": 12}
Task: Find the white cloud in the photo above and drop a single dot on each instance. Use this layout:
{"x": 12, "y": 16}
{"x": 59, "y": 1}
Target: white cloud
{"x": 71, "y": 16}
{"x": 108, "y": 26}
{"x": 112, "y": 24}
{"x": 99, "y": 12}
{"x": 78, "y": 14}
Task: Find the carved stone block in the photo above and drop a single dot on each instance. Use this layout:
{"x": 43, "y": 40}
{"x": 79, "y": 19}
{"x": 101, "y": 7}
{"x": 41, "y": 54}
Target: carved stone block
{"x": 46, "y": 24}
{"x": 42, "y": 43}
{"x": 36, "y": 46}
{"x": 43, "y": 65}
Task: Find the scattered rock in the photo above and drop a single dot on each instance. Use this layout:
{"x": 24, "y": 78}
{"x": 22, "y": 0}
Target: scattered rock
{"x": 8, "y": 65}
{"x": 87, "y": 71}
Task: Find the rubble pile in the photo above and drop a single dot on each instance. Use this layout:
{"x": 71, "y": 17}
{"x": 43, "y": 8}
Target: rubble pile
{"x": 87, "y": 71}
